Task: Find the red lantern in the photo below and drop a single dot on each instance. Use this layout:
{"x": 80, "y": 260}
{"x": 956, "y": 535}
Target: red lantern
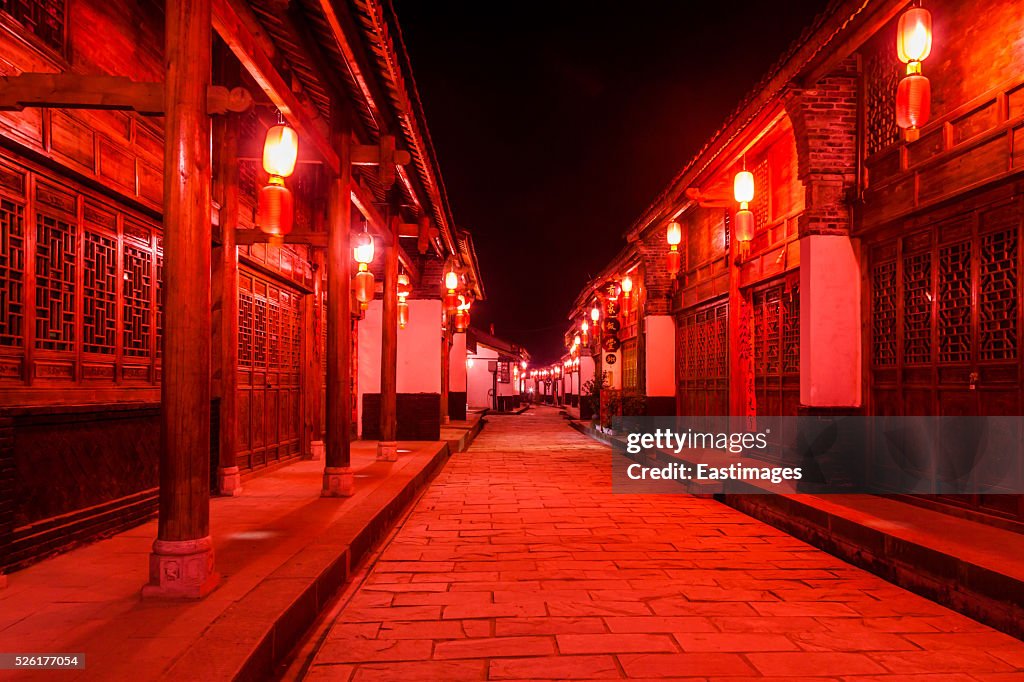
{"x": 362, "y": 284}
{"x": 744, "y": 225}
{"x": 461, "y": 320}
{"x": 913, "y": 102}
{"x": 914, "y": 35}
{"x": 403, "y": 313}
{"x": 673, "y": 262}
{"x": 280, "y": 150}
{"x": 275, "y": 208}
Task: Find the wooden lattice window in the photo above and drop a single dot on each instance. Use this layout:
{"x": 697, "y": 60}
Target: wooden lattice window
{"x": 703, "y": 346}
{"x": 159, "y": 301}
{"x": 630, "y": 373}
{"x": 883, "y": 313}
{"x": 44, "y": 19}
{"x": 761, "y": 205}
{"x": 881, "y": 76}
{"x": 997, "y": 296}
{"x": 12, "y": 273}
{"x": 955, "y": 302}
{"x": 246, "y": 311}
{"x": 917, "y": 308}
{"x": 138, "y": 283}
{"x": 99, "y": 293}
{"x": 776, "y": 317}
{"x": 56, "y": 266}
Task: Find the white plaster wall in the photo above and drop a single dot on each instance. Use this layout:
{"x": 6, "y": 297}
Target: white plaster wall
{"x": 479, "y": 379}
{"x": 660, "y": 342}
{"x": 419, "y": 350}
{"x": 830, "y": 322}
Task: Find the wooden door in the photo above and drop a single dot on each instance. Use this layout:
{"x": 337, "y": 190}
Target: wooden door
{"x": 945, "y": 320}
{"x": 702, "y": 365}
{"x": 269, "y": 370}
{"x": 776, "y": 318}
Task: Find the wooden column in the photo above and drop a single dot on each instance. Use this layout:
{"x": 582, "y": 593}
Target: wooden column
{"x": 313, "y": 317}
{"x": 339, "y": 480}
{"x": 181, "y": 564}
{"x": 387, "y": 448}
{"x": 446, "y": 358}
{"x": 742, "y": 397}
{"x": 225, "y": 304}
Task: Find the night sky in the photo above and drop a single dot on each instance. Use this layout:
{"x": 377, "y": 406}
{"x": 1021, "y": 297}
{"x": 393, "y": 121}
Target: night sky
{"x": 557, "y": 122}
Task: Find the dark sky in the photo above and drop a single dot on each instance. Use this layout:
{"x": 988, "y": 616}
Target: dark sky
{"x": 556, "y": 123}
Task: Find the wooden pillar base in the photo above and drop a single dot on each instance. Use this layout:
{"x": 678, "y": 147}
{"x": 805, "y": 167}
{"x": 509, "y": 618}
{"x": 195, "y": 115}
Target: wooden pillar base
{"x": 387, "y": 451}
{"x": 181, "y": 569}
{"x": 447, "y": 419}
{"x": 317, "y": 450}
{"x": 338, "y": 482}
{"x": 229, "y": 482}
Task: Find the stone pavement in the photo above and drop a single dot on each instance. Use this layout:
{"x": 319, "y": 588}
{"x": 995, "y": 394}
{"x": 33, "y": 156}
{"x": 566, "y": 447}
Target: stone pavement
{"x": 519, "y": 563}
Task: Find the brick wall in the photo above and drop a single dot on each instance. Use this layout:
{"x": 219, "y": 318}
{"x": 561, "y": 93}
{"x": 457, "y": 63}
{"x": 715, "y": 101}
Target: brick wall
{"x": 824, "y": 119}
{"x": 657, "y": 280}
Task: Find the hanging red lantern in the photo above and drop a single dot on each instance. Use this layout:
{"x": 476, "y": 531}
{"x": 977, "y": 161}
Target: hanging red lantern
{"x": 461, "y": 320}
{"x": 403, "y": 313}
{"x": 914, "y": 93}
{"x": 913, "y": 103}
{"x": 363, "y": 281}
{"x": 280, "y": 150}
{"x": 914, "y": 35}
{"x": 451, "y": 283}
{"x": 275, "y": 210}
{"x": 674, "y": 235}
{"x": 275, "y": 205}
{"x": 743, "y": 191}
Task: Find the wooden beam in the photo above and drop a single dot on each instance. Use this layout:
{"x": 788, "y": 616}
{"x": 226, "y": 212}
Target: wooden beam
{"x": 75, "y": 91}
{"x": 249, "y": 237}
{"x": 233, "y": 21}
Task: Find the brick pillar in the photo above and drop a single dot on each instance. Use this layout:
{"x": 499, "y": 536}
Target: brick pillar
{"x": 824, "y": 120}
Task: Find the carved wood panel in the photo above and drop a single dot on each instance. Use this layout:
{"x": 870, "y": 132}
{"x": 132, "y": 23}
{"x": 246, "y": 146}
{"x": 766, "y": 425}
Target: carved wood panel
{"x": 776, "y": 318}
{"x": 702, "y": 360}
{"x": 945, "y": 307}
{"x": 270, "y": 370}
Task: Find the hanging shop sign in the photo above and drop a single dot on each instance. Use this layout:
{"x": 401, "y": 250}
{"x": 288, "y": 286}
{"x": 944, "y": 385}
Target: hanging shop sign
{"x": 610, "y": 359}
{"x": 610, "y": 344}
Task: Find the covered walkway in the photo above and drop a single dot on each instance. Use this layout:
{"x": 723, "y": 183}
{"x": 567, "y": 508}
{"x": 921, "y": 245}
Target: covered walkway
{"x": 519, "y": 563}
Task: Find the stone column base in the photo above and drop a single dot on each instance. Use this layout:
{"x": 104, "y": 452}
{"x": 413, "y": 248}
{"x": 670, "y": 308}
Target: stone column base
{"x": 387, "y": 451}
{"x": 317, "y": 450}
{"x": 229, "y": 481}
{"x": 338, "y": 482}
{"x": 447, "y": 419}
{"x": 181, "y": 569}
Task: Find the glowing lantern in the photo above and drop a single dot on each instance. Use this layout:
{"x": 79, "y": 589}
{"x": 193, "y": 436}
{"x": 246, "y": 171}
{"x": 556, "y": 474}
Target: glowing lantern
{"x": 627, "y": 285}
{"x": 743, "y": 190}
{"x": 469, "y": 363}
{"x": 403, "y": 306}
{"x": 275, "y": 208}
{"x": 674, "y": 236}
{"x": 523, "y": 364}
{"x": 914, "y": 93}
{"x": 914, "y": 36}
{"x": 576, "y": 340}
{"x": 363, "y": 281}
{"x": 595, "y": 314}
{"x": 451, "y": 283}
{"x": 280, "y": 150}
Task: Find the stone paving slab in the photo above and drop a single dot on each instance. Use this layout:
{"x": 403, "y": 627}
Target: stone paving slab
{"x": 519, "y": 563}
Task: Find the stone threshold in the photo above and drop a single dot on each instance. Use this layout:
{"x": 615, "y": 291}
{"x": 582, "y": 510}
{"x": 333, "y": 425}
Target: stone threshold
{"x": 970, "y": 567}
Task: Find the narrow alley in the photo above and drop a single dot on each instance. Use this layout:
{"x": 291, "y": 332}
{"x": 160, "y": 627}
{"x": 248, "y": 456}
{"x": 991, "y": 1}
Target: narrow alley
{"x": 519, "y": 563}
